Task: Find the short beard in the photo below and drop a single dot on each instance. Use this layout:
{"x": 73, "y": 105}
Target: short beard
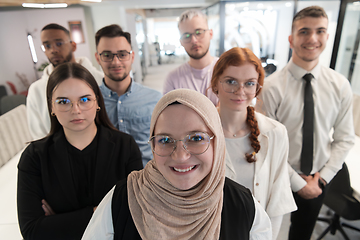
{"x": 67, "y": 59}
{"x": 197, "y": 57}
{"x": 119, "y": 79}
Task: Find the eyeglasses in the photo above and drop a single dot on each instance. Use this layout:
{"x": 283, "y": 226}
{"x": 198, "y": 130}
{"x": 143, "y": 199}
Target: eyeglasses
{"x": 57, "y": 44}
{"x": 249, "y": 87}
{"x": 199, "y": 34}
{"x": 122, "y": 55}
{"x": 64, "y": 104}
{"x": 194, "y": 143}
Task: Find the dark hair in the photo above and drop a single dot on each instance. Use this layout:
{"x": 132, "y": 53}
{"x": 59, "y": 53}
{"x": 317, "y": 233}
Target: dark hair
{"x": 56, "y": 27}
{"x": 312, "y": 11}
{"x": 111, "y": 31}
{"x": 74, "y": 70}
{"x": 237, "y": 57}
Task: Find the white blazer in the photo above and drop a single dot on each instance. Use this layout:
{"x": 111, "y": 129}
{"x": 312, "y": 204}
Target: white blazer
{"x": 271, "y": 181}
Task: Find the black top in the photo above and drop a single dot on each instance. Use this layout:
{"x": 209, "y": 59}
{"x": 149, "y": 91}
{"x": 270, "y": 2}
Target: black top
{"x": 46, "y": 171}
{"x": 237, "y": 215}
{"x": 82, "y": 167}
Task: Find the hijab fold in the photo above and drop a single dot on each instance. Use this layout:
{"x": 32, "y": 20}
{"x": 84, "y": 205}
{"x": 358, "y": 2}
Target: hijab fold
{"x": 161, "y": 211}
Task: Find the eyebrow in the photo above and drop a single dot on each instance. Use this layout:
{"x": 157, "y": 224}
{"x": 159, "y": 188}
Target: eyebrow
{"x": 86, "y": 95}
{"x": 59, "y": 39}
{"x": 238, "y": 79}
{"x": 320, "y": 28}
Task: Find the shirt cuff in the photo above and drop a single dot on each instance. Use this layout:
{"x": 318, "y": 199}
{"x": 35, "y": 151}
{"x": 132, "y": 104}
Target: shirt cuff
{"x": 297, "y": 182}
{"x": 327, "y": 174}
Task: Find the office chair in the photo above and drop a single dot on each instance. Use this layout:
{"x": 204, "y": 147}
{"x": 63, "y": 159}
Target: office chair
{"x": 11, "y": 101}
{"x": 339, "y": 198}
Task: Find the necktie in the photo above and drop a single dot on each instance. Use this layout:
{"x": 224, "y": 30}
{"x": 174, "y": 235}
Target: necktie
{"x": 308, "y": 127}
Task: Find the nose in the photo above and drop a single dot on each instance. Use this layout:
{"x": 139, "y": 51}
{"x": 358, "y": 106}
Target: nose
{"x": 75, "y": 108}
{"x": 180, "y": 153}
{"x": 116, "y": 59}
{"x": 194, "y": 38}
{"x": 240, "y": 90}
{"x": 54, "y": 48}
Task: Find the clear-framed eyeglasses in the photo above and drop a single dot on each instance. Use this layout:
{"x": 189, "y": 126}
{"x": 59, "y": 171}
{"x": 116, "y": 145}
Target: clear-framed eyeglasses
{"x": 122, "y": 55}
{"x": 64, "y": 104}
{"x": 56, "y": 44}
{"x": 195, "y": 143}
{"x": 199, "y": 34}
{"x": 249, "y": 87}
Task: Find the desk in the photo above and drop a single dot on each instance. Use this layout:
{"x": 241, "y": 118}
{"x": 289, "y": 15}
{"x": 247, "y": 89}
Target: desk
{"x": 353, "y": 163}
{"x": 9, "y": 228}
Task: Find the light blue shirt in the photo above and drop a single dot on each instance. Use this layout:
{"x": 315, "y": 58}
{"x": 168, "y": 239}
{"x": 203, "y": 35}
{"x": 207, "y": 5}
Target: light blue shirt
{"x": 131, "y": 113}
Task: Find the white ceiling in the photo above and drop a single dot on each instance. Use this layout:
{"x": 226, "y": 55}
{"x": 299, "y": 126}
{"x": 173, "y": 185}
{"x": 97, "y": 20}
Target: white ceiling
{"x": 129, "y": 4}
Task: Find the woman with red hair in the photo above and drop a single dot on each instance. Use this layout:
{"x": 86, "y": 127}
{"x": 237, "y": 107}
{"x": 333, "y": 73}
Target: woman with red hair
{"x": 257, "y": 146}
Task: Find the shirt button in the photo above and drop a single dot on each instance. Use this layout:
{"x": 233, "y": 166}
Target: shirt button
{"x": 121, "y": 120}
{"x": 257, "y": 184}
{"x": 120, "y": 102}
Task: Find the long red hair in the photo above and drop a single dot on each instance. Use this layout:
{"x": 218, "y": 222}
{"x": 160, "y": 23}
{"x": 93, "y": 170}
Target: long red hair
{"x": 237, "y": 57}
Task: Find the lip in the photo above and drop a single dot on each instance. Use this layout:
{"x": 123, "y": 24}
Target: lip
{"x": 116, "y": 69}
{"x": 311, "y": 48}
{"x": 196, "y": 47}
{"x": 184, "y": 169}
{"x": 77, "y": 121}
{"x": 56, "y": 59}
{"x": 238, "y": 100}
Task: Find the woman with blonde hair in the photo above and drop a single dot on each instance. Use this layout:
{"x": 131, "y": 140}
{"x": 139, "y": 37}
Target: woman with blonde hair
{"x": 257, "y": 146}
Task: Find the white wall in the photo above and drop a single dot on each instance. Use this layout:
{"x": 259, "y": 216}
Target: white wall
{"x": 15, "y": 53}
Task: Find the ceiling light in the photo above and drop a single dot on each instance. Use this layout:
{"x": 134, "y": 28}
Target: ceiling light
{"x": 288, "y": 4}
{"x": 91, "y": 0}
{"x": 41, "y": 5}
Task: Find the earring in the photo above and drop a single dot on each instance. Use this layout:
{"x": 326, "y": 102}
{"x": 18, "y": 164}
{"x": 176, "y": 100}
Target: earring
{"x": 98, "y": 109}
{"x": 52, "y": 114}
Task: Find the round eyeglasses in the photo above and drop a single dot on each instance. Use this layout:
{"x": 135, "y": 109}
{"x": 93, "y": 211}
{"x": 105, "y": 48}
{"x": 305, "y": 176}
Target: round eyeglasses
{"x": 122, "y": 55}
{"x": 249, "y": 87}
{"x": 194, "y": 143}
{"x": 199, "y": 34}
{"x": 64, "y": 104}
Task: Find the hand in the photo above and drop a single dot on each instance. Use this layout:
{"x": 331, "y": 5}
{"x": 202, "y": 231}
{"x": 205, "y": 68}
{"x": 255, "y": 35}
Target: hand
{"x": 94, "y": 208}
{"x": 311, "y": 189}
{"x": 47, "y": 208}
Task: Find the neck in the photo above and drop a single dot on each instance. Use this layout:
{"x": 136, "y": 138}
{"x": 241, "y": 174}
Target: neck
{"x": 233, "y": 123}
{"x": 308, "y": 66}
{"x": 81, "y": 139}
{"x": 120, "y": 87}
{"x": 201, "y": 63}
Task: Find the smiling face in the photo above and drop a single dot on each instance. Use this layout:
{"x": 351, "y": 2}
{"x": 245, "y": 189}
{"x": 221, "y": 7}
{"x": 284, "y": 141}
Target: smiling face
{"x": 308, "y": 40}
{"x": 75, "y": 120}
{"x": 115, "y": 70}
{"x": 61, "y": 54}
{"x": 182, "y": 169}
{"x": 197, "y": 48}
{"x": 243, "y": 74}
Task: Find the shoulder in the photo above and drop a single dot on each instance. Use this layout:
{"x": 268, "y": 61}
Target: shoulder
{"x": 114, "y": 135}
{"x": 267, "y": 124}
{"x": 335, "y": 78}
{"x": 276, "y": 80}
{"x": 177, "y": 72}
{"x": 35, "y": 151}
{"x": 146, "y": 92}
{"x": 237, "y": 193}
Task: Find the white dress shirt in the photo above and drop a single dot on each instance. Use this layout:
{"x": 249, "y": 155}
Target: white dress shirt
{"x": 283, "y": 100}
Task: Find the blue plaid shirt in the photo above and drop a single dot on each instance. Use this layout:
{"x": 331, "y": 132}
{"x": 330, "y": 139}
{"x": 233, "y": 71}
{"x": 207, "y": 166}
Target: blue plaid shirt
{"x": 131, "y": 113}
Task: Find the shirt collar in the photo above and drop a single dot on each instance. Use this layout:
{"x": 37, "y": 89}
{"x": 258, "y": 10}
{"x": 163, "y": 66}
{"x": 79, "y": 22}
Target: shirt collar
{"x": 299, "y": 72}
{"x": 108, "y": 92}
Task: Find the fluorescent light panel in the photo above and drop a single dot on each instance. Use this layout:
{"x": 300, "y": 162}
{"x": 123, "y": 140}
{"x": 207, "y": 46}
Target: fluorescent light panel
{"x": 91, "y": 1}
{"x": 32, "y": 48}
{"x": 41, "y": 5}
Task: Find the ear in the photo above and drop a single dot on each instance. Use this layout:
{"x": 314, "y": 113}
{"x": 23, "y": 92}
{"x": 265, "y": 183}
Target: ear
{"x": 132, "y": 56}
{"x": 73, "y": 46}
{"x": 290, "y": 40}
{"x": 211, "y": 33}
{"x": 97, "y": 56}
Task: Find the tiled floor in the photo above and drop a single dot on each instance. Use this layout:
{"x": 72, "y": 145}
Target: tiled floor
{"x": 155, "y": 79}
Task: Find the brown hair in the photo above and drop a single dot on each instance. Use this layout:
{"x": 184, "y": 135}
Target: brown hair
{"x": 237, "y": 57}
{"x": 312, "y": 11}
{"x": 74, "y": 70}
